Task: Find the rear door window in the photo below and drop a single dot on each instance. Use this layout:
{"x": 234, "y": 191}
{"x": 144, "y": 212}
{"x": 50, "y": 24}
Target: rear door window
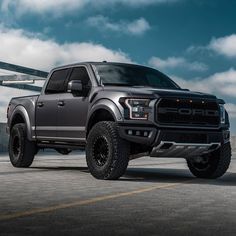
{"x": 56, "y": 82}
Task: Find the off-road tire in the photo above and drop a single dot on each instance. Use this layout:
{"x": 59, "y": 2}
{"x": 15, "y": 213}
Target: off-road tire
{"x": 218, "y": 163}
{"x": 107, "y": 154}
{"x": 21, "y": 150}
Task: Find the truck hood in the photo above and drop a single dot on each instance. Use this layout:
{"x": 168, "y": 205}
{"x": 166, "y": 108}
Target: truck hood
{"x": 148, "y": 91}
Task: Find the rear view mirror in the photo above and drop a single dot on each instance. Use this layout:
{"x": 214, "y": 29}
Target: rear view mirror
{"x": 75, "y": 87}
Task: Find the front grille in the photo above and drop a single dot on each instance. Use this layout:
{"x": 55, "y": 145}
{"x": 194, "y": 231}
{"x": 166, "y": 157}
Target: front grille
{"x": 187, "y": 112}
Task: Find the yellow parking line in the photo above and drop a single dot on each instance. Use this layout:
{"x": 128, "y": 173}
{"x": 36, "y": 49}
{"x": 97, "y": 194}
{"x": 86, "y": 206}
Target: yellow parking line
{"x": 84, "y": 202}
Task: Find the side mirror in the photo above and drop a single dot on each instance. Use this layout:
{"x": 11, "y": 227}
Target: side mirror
{"x": 75, "y": 87}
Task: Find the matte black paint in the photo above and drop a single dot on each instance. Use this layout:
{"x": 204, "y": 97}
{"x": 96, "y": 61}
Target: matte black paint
{"x": 64, "y": 117}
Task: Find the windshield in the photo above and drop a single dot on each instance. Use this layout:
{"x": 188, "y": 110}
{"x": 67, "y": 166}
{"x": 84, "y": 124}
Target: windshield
{"x": 131, "y": 75}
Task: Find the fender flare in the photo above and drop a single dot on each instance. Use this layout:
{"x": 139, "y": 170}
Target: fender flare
{"x": 20, "y": 110}
{"x": 108, "y": 105}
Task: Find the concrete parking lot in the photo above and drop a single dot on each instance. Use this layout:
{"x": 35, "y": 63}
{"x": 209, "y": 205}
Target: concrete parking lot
{"x": 58, "y": 196}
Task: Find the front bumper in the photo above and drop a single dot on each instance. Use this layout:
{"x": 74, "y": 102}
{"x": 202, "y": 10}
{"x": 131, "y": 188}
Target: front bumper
{"x": 152, "y": 136}
{"x": 184, "y": 150}
{"x": 174, "y": 142}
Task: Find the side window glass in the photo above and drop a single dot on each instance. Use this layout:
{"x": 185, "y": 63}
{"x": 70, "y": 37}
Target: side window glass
{"x": 57, "y": 81}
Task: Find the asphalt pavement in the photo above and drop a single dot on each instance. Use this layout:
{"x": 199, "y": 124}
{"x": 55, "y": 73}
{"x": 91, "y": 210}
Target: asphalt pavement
{"x": 58, "y": 196}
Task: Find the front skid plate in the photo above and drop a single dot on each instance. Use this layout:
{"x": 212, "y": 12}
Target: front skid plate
{"x": 185, "y": 150}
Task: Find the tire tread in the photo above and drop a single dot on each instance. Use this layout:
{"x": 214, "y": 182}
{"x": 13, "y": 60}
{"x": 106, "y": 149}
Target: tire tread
{"x": 120, "y": 157}
{"x": 28, "y": 150}
{"x": 224, "y": 159}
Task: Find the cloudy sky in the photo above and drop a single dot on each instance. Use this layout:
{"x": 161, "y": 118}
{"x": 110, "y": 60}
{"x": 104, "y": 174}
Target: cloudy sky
{"x": 193, "y": 41}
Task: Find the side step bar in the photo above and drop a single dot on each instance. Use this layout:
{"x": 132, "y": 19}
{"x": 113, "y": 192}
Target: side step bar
{"x": 184, "y": 150}
{"x": 60, "y": 145}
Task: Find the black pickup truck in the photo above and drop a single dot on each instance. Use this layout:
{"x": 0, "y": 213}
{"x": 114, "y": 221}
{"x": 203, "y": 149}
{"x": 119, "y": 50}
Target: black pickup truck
{"x": 118, "y": 112}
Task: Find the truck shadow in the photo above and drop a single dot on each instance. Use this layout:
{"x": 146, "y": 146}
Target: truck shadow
{"x": 174, "y": 175}
{"x": 156, "y": 175}
{"x": 61, "y": 168}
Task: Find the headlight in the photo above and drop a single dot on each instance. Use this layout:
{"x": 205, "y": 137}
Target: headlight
{"x": 138, "y": 108}
{"x": 222, "y": 114}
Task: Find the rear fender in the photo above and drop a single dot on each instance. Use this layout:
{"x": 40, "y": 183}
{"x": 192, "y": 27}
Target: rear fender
{"x": 20, "y": 110}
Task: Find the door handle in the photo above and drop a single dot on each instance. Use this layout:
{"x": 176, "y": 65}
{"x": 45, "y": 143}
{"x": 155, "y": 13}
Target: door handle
{"x": 61, "y": 103}
{"x": 40, "y": 104}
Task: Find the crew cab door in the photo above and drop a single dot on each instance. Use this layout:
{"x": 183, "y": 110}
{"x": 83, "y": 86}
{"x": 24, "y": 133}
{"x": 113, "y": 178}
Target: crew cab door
{"x": 47, "y": 106}
{"x": 73, "y": 108}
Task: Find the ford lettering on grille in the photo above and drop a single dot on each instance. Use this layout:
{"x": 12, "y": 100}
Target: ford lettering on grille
{"x": 186, "y": 112}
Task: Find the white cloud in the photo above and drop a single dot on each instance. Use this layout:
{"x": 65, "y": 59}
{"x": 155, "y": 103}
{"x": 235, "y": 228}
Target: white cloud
{"x": 195, "y": 49}
{"x": 231, "y": 108}
{"x": 64, "y": 6}
{"x": 225, "y": 46}
{"x": 20, "y": 47}
{"x": 23, "y": 48}
{"x": 42, "y": 6}
{"x": 222, "y": 83}
{"x": 176, "y": 62}
{"x": 136, "y": 27}
{"x": 196, "y": 84}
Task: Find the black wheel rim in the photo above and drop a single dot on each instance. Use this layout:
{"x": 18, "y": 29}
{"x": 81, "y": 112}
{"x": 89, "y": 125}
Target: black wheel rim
{"x": 16, "y": 146}
{"x": 100, "y": 151}
{"x": 202, "y": 165}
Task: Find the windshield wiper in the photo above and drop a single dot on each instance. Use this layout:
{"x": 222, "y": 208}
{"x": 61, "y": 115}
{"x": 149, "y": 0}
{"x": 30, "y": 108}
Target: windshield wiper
{"x": 120, "y": 84}
{"x": 142, "y": 86}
